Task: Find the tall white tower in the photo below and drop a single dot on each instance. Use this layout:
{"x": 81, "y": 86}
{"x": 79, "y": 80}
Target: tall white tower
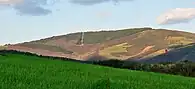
{"x": 82, "y": 38}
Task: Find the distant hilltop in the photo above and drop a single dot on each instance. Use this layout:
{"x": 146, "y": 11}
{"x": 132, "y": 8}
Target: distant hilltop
{"x": 126, "y": 44}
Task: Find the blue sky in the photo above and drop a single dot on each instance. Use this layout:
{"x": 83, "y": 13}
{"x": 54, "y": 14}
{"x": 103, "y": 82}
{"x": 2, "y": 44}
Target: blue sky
{"x": 26, "y": 21}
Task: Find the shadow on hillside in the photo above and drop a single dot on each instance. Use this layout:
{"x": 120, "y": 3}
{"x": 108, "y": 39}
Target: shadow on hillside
{"x": 187, "y": 52}
{"x": 97, "y": 58}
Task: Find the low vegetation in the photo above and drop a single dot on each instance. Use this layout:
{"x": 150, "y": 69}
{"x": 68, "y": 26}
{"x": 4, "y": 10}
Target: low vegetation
{"x": 183, "y": 68}
{"x": 132, "y": 43}
{"x": 19, "y": 70}
{"x": 47, "y": 47}
{"x": 102, "y": 36}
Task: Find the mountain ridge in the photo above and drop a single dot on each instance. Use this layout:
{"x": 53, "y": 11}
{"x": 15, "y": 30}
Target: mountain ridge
{"x": 135, "y": 43}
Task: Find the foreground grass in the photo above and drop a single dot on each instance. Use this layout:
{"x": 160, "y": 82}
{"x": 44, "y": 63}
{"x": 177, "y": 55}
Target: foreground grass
{"x": 30, "y": 72}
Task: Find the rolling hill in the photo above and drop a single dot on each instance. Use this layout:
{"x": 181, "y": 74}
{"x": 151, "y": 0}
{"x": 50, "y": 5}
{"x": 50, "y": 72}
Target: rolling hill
{"x": 20, "y": 71}
{"x": 186, "y": 52}
{"x": 126, "y": 44}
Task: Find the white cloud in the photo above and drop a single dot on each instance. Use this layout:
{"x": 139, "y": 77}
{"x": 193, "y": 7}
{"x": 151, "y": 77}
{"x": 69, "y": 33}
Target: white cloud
{"x": 92, "y": 2}
{"x": 37, "y": 7}
{"x": 10, "y": 1}
{"x": 29, "y": 7}
{"x": 175, "y": 16}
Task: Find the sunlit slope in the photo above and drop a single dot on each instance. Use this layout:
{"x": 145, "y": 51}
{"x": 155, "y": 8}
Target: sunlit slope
{"x": 135, "y": 43}
{"x": 145, "y": 44}
{"x": 67, "y": 44}
{"x": 30, "y": 72}
{"x": 3, "y": 47}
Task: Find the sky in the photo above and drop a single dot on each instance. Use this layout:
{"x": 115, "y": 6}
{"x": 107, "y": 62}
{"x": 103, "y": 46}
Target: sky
{"x": 27, "y": 20}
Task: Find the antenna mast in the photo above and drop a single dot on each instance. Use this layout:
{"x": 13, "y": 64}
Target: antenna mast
{"x": 82, "y": 38}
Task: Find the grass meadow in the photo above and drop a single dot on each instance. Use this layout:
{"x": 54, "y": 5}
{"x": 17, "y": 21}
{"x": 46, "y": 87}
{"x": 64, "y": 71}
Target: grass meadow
{"x": 19, "y": 71}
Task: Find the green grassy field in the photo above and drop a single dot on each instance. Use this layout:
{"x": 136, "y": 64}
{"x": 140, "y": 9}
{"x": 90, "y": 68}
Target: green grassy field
{"x": 30, "y": 72}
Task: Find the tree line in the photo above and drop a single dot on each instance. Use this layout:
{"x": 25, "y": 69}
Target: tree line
{"x": 183, "y": 68}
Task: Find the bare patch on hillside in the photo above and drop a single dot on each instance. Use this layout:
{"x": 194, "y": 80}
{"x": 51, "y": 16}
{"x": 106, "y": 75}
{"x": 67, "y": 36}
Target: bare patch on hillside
{"x": 120, "y": 48}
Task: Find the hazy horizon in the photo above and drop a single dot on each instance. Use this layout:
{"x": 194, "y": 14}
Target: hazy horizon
{"x": 27, "y": 20}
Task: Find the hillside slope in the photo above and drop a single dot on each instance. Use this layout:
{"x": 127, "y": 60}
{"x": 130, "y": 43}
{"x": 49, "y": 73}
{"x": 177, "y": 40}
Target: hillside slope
{"x": 186, "y": 52}
{"x": 32, "y": 72}
{"x": 138, "y": 43}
